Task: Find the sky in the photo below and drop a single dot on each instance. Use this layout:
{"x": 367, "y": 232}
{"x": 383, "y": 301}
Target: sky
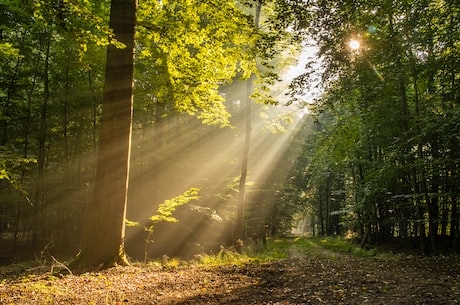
{"x": 309, "y": 54}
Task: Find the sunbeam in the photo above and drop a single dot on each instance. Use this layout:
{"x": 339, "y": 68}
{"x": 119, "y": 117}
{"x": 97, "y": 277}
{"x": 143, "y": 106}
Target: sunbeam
{"x": 207, "y": 157}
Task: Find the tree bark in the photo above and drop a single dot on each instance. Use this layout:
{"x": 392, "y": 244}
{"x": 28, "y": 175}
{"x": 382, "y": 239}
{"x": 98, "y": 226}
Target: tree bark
{"x": 240, "y": 225}
{"x": 320, "y": 210}
{"x": 39, "y": 223}
{"x": 103, "y": 239}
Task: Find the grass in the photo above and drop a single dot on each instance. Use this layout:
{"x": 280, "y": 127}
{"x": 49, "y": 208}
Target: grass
{"x": 224, "y": 257}
{"x": 280, "y": 248}
{"x": 276, "y": 249}
{"x": 346, "y": 246}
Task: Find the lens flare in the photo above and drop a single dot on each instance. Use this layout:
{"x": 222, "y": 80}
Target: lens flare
{"x": 377, "y": 73}
{"x": 372, "y": 29}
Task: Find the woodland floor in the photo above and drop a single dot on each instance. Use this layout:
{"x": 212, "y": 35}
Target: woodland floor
{"x": 313, "y": 277}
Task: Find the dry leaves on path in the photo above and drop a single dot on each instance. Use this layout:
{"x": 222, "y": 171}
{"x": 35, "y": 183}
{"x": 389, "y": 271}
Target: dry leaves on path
{"x": 329, "y": 279}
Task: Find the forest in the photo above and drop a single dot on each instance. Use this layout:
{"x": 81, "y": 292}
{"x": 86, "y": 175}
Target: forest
{"x": 139, "y": 130}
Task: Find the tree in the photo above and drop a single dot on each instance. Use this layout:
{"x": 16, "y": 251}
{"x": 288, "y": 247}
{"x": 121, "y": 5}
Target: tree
{"x": 240, "y": 223}
{"x": 103, "y": 240}
{"x": 378, "y": 114}
{"x": 35, "y": 44}
{"x": 271, "y": 38}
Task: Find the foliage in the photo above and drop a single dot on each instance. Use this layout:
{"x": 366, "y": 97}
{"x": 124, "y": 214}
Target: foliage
{"x": 165, "y": 214}
{"x": 165, "y": 209}
{"x": 198, "y": 47}
{"x": 373, "y": 144}
{"x": 51, "y": 81}
{"x": 11, "y": 165}
{"x": 77, "y": 20}
{"x": 378, "y": 155}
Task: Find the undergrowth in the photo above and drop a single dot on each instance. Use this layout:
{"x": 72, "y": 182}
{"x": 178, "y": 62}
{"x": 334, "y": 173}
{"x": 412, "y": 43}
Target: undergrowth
{"x": 342, "y": 245}
{"x": 276, "y": 248}
{"x": 283, "y": 248}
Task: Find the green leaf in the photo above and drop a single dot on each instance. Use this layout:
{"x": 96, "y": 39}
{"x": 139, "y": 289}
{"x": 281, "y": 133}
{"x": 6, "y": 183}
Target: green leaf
{"x": 166, "y": 209}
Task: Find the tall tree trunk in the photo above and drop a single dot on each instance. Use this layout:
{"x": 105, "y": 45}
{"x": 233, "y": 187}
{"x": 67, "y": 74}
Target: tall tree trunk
{"x": 103, "y": 239}
{"x": 66, "y": 181}
{"x": 66, "y": 114}
{"x": 320, "y": 210}
{"x": 444, "y": 221}
{"x": 327, "y": 199}
{"x": 454, "y": 223}
{"x": 19, "y": 215}
{"x": 6, "y": 106}
{"x": 39, "y": 197}
{"x": 405, "y": 128}
{"x": 94, "y": 115}
{"x": 240, "y": 225}
{"x": 431, "y": 203}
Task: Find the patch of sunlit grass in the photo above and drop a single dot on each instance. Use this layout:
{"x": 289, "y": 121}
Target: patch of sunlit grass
{"x": 172, "y": 263}
{"x": 343, "y": 245}
{"x": 224, "y": 257}
{"x": 154, "y": 264}
{"x": 313, "y": 246}
{"x": 163, "y": 262}
{"x": 281, "y": 248}
{"x": 275, "y": 249}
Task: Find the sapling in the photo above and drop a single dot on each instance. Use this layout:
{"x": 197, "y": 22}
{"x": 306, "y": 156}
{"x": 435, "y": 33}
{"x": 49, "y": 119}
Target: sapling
{"x": 164, "y": 213}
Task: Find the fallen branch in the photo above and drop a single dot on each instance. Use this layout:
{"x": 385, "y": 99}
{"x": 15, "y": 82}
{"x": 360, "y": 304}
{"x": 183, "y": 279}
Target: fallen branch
{"x": 59, "y": 264}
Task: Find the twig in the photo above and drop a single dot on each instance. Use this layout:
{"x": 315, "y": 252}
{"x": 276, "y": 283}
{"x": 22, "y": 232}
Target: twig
{"x": 59, "y": 264}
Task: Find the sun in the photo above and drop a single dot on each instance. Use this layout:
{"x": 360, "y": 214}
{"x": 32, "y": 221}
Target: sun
{"x": 354, "y": 44}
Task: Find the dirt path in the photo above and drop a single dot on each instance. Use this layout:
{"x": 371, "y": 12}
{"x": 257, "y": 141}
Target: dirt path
{"x": 324, "y": 279}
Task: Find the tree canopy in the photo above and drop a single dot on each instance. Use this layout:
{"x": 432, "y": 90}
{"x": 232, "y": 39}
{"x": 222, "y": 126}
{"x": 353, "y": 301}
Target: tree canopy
{"x": 385, "y": 164}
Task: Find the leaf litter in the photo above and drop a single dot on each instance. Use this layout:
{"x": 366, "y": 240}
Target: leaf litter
{"x": 300, "y": 279}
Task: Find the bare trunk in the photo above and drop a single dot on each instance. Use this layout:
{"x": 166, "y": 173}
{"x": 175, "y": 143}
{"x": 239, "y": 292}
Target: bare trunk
{"x": 95, "y": 104}
{"x": 320, "y": 212}
{"x": 6, "y": 106}
{"x": 39, "y": 224}
{"x": 103, "y": 240}
{"x": 240, "y": 224}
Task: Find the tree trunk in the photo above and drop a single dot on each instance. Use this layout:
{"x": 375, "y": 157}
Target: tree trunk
{"x": 320, "y": 210}
{"x": 6, "y": 106}
{"x": 327, "y": 196}
{"x": 39, "y": 224}
{"x": 94, "y": 115}
{"x": 103, "y": 239}
{"x": 454, "y": 223}
{"x": 240, "y": 225}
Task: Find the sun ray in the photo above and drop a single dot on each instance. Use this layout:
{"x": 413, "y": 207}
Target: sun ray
{"x": 207, "y": 157}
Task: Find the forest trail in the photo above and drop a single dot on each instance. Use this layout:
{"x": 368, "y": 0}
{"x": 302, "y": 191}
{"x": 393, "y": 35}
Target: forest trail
{"x": 318, "y": 277}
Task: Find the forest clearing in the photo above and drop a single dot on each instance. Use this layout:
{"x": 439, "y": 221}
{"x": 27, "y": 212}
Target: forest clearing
{"x": 308, "y": 271}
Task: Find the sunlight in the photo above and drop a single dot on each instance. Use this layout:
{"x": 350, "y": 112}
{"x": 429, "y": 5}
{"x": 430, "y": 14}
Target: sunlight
{"x": 207, "y": 157}
{"x": 354, "y": 44}
{"x": 310, "y": 65}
